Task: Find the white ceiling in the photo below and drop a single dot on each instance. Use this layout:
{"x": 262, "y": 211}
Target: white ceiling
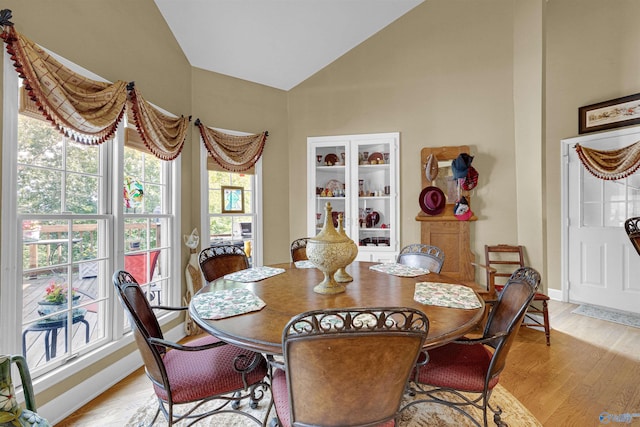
{"x": 277, "y": 43}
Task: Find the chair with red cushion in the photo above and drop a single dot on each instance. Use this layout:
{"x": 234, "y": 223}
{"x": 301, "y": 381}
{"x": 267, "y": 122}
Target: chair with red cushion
{"x": 505, "y": 259}
{"x": 347, "y": 367}
{"x": 217, "y": 261}
{"x": 473, "y": 365}
{"x": 632, "y": 227}
{"x": 206, "y": 369}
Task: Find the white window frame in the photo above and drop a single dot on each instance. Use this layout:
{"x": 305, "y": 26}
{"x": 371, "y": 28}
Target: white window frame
{"x": 256, "y": 202}
{"x": 69, "y": 400}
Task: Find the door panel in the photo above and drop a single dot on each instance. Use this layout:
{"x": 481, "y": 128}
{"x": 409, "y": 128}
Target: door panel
{"x": 603, "y": 268}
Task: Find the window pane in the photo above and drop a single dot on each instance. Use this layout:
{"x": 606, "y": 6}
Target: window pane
{"x": 38, "y": 190}
{"x": 591, "y": 215}
{"x": 39, "y": 144}
{"x": 614, "y": 191}
{"x": 82, "y": 194}
{"x": 82, "y": 158}
{"x": 591, "y": 188}
{"x": 616, "y": 213}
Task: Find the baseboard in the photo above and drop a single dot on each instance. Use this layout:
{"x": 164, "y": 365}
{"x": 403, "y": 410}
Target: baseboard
{"x": 60, "y": 408}
{"x": 555, "y": 294}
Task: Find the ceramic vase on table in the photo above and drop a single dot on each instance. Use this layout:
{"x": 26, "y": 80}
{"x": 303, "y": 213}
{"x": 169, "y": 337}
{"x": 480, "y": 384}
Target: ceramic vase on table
{"x": 329, "y": 251}
{"x": 341, "y": 275}
{"x": 11, "y": 413}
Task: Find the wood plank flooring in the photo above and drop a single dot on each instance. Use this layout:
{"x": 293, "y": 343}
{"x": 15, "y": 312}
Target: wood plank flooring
{"x": 591, "y": 367}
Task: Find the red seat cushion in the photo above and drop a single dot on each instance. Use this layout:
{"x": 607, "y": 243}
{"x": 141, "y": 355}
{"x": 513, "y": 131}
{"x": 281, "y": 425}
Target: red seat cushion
{"x": 281, "y": 400}
{"x": 194, "y": 375}
{"x": 457, "y": 366}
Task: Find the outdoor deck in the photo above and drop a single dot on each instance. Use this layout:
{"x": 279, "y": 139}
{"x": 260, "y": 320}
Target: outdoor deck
{"x": 40, "y": 332}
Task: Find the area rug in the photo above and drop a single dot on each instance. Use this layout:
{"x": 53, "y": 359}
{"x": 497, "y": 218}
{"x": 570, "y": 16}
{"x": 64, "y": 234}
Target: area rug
{"x": 624, "y": 318}
{"x": 421, "y": 415}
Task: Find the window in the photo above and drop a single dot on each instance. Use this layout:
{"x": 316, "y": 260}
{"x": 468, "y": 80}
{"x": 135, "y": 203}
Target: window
{"x": 235, "y": 227}
{"x": 69, "y": 210}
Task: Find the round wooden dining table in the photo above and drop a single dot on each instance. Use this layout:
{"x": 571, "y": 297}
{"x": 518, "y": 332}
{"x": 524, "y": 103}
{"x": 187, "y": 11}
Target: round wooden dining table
{"x": 291, "y": 293}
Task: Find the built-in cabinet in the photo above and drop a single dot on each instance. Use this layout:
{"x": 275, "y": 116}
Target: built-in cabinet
{"x": 358, "y": 175}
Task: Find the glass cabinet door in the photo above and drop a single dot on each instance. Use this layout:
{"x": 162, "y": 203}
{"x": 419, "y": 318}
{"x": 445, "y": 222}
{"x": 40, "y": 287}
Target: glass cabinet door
{"x": 374, "y": 214}
{"x": 330, "y": 179}
{"x": 358, "y": 175}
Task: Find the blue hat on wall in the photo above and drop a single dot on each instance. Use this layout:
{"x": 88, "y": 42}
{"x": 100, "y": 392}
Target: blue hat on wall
{"x": 460, "y": 165}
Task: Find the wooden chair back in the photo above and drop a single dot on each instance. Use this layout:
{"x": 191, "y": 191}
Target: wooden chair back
{"x": 421, "y": 255}
{"x": 144, "y": 325}
{"x": 299, "y": 249}
{"x": 349, "y": 367}
{"x": 632, "y": 227}
{"x": 505, "y": 259}
{"x": 507, "y": 314}
{"x": 216, "y": 261}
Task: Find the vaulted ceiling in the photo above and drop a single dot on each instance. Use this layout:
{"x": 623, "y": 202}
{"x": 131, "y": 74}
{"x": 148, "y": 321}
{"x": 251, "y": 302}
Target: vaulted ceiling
{"x": 277, "y": 43}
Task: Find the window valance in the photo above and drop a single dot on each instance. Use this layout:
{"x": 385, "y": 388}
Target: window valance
{"x": 86, "y": 110}
{"x": 163, "y": 135}
{"x": 233, "y": 153}
{"x": 610, "y": 164}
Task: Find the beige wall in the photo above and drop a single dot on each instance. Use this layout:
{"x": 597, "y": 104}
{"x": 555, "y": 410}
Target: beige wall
{"x": 441, "y": 75}
{"x": 592, "y": 51}
{"x": 228, "y": 103}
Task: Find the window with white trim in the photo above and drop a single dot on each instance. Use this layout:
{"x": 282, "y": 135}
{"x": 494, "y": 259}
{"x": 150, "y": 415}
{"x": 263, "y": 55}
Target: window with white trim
{"x": 67, "y": 225}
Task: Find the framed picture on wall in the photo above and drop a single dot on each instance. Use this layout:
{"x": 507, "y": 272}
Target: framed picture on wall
{"x": 232, "y": 199}
{"x": 610, "y": 114}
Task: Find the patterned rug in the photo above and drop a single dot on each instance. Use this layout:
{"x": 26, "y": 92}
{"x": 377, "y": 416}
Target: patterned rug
{"x": 422, "y": 415}
{"x": 622, "y": 317}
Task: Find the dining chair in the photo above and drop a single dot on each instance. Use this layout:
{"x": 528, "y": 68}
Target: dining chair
{"x": 632, "y": 227}
{"x": 421, "y": 255}
{"x": 216, "y": 261}
{"x": 299, "y": 249}
{"x": 206, "y": 369}
{"x": 505, "y": 259}
{"x": 347, "y": 366}
{"x": 473, "y": 365}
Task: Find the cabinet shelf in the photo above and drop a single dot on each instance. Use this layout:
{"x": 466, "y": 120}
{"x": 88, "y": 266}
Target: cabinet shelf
{"x": 376, "y": 243}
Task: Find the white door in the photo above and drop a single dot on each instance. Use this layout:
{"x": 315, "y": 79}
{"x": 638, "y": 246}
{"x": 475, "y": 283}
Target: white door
{"x": 602, "y": 268}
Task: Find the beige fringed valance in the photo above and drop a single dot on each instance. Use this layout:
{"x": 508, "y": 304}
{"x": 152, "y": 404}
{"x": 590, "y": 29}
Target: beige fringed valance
{"x": 163, "y": 135}
{"x": 231, "y": 152}
{"x": 610, "y": 164}
{"x": 84, "y": 110}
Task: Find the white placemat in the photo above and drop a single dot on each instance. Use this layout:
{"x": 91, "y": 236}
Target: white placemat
{"x": 399, "y": 269}
{"x": 304, "y": 264}
{"x": 226, "y": 303}
{"x": 254, "y": 274}
{"x": 446, "y": 295}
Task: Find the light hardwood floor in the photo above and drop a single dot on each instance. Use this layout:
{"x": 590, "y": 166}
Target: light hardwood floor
{"x": 592, "y": 366}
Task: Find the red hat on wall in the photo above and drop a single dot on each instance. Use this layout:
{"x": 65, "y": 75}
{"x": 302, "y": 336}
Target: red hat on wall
{"x": 432, "y": 200}
{"x": 471, "y": 180}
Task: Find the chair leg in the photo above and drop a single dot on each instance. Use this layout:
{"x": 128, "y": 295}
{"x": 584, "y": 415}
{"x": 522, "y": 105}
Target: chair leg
{"x": 547, "y": 329}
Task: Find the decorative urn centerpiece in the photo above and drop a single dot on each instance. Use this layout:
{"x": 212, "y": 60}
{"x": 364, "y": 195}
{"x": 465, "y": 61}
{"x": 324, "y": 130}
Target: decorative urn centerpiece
{"x": 341, "y": 275}
{"x": 329, "y": 251}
